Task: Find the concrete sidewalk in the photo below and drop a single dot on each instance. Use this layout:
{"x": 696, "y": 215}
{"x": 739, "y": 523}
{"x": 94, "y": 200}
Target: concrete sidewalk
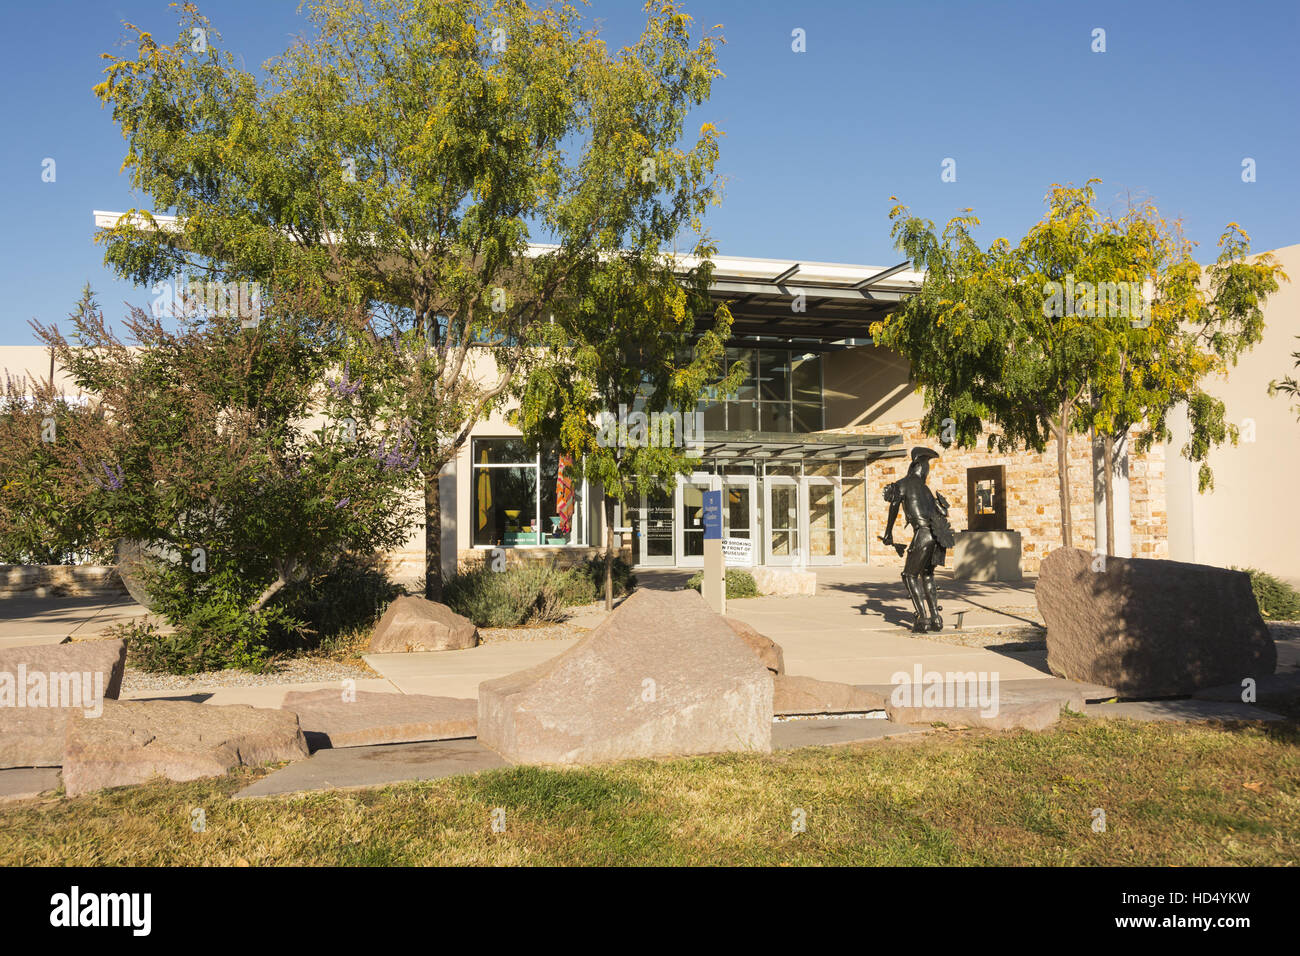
{"x": 25, "y": 620}
{"x": 853, "y": 631}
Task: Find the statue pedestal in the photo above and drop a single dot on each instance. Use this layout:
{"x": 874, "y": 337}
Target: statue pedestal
{"x": 987, "y": 556}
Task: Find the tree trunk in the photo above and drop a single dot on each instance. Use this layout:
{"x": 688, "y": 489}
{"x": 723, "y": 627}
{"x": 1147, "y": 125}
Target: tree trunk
{"x": 1108, "y": 462}
{"x": 1062, "y": 431}
{"x": 609, "y": 553}
{"x": 432, "y": 538}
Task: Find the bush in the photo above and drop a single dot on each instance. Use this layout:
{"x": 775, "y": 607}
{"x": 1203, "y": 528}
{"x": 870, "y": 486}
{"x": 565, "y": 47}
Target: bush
{"x": 213, "y": 627}
{"x": 740, "y": 583}
{"x": 353, "y": 594}
{"x": 213, "y": 636}
{"x": 1277, "y": 600}
{"x": 527, "y": 594}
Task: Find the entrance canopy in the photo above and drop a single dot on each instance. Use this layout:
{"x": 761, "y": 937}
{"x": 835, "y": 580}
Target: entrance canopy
{"x": 816, "y": 306}
{"x": 816, "y": 446}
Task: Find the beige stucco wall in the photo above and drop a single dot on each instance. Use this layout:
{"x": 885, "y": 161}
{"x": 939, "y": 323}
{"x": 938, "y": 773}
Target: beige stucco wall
{"x": 1252, "y": 517}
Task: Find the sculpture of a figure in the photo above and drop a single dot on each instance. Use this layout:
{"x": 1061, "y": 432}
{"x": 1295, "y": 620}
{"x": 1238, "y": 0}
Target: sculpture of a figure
{"x": 927, "y": 513}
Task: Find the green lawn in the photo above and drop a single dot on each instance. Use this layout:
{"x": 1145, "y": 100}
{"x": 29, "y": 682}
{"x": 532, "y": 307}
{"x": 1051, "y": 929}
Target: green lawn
{"x": 1172, "y": 794}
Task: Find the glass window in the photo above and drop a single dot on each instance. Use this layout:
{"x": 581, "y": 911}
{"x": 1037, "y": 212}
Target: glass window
{"x": 807, "y": 417}
{"x": 774, "y": 380}
{"x": 806, "y": 378}
{"x": 748, "y": 389}
{"x": 499, "y": 451}
{"x": 776, "y": 417}
{"x": 521, "y": 498}
{"x": 742, "y": 416}
{"x": 715, "y": 416}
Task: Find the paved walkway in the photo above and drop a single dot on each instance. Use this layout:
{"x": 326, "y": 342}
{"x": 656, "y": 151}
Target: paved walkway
{"x": 25, "y": 621}
{"x": 853, "y": 630}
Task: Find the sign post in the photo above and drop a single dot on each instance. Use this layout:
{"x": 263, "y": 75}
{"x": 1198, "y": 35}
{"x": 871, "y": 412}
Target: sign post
{"x": 714, "y": 587}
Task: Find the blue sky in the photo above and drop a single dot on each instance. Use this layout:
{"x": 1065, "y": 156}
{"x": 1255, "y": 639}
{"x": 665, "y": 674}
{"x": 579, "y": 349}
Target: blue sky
{"x": 816, "y": 142}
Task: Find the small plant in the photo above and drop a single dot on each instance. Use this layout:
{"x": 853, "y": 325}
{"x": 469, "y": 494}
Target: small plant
{"x": 527, "y": 594}
{"x": 594, "y": 570}
{"x": 740, "y": 583}
{"x": 1277, "y": 600}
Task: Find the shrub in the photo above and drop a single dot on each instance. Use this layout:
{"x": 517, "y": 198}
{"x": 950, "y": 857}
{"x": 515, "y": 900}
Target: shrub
{"x": 215, "y": 635}
{"x": 1277, "y": 600}
{"x": 621, "y": 573}
{"x": 527, "y": 594}
{"x": 740, "y": 583}
{"x": 354, "y": 593}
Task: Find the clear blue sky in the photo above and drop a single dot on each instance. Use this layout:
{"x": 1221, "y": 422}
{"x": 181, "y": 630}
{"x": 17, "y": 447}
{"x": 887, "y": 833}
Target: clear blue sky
{"x": 816, "y": 142}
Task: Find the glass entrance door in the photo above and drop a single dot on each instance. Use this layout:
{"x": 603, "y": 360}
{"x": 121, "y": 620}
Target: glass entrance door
{"x": 654, "y": 530}
{"x": 690, "y": 520}
{"x": 781, "y": 540}
{"x": 739, "y": 516}
{"x": 823, "y": 510}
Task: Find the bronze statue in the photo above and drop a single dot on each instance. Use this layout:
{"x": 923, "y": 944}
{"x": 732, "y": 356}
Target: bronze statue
{"x": 927, "y": 513}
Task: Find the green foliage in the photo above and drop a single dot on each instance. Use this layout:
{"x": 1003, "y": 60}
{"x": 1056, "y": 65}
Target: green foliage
{"x": 354, "y": 593}
{"x": 396, "y": 164}
{"x": 740, "y": 583}
{"x": 39, "y": 522}
{"x": 201, "y": 449}
{"x": 624, "y": 580}
{"x": 1277, "y": 600}
{"x": 533, "y": 593}
{"x": 998, "y": 336}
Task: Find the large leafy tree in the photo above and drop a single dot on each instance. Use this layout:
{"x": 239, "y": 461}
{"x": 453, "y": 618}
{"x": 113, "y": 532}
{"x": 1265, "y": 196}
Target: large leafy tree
{"x": 629, "y": 347}
{"x": 1195, "y": 323}
{"x": 396, "y": 165}
{"x": 202, "y": 446}
{"x": 1026, "y": 337}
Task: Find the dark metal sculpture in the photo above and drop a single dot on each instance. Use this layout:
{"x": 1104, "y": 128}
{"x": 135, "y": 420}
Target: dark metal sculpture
{"x": 932, "y": 536}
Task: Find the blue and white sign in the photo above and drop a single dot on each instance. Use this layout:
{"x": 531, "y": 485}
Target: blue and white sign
{"x": 713, "y": 516}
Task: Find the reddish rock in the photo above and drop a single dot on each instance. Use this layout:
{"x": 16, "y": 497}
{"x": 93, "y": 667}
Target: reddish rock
{"x": 134, "y": 741}
{"x": 768, "y": 651}
{"x": 1150, "y": 628}
{"x": 663, "y": 675}
{"x": 72, "y": 675}
{"x": 413, "y": 623}
{"x": 327, "y": 720}
{"x": 807, "y": 695}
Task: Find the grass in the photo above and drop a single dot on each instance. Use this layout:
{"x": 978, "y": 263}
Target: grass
{"x": 1186, "y": 795}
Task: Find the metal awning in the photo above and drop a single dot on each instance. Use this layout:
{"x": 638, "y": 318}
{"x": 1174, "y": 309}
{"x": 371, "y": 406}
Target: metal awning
{"x": 816, "y": 446}
{"x": 817, "y": 308}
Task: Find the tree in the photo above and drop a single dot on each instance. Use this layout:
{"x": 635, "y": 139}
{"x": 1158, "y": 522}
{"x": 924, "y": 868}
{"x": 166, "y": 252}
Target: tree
{"x": 204, "y": 450}
{"x": 628, "y": 373}
{"x": 1089, "y": 322}
{"x": 1195, "y": 323}
{"x": 396, "y": 166}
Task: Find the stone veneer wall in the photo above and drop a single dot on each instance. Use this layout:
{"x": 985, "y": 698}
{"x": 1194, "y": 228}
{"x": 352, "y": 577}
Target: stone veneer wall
{"x": 1032, "y": 496}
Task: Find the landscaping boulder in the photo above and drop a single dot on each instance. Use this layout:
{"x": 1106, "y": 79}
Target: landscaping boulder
{"x": 784, "y": 582}
{"x": 415, "y": 624}
{"x": 663, "y": 675}
{"x": 768, "y": 651}
{"x": 807, "y": 695}
{"x": 327, "y": 720}
{"x": 133, "y": 741}
{"x": 1150, "y": 628}
{"x": 60, "y": 680}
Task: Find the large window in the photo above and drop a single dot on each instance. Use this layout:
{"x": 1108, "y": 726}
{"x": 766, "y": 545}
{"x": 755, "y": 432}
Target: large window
{"x": 781, "y": 392}
{"x": 521, "y": 498}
